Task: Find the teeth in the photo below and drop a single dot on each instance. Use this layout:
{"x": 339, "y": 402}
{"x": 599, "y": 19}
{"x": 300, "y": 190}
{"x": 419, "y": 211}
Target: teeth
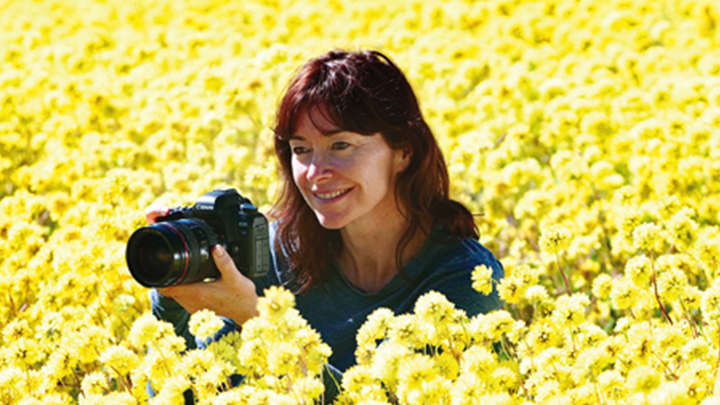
{"x": 331, "y": 195}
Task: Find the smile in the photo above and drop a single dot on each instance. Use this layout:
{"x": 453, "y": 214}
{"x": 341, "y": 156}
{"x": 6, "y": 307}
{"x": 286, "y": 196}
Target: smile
{"x": 334, "y": 194}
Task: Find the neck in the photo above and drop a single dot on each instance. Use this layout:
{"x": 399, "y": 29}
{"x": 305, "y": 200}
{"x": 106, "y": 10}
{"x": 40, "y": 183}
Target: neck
{"x": 368, "y": 258}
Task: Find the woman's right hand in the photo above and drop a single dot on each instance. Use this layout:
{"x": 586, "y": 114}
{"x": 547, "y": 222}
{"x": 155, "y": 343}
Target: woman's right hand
{"x": 154, "y": 211}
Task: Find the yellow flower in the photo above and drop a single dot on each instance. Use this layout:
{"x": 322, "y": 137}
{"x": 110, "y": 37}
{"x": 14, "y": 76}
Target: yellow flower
{"x": 671, "y": 284}
{"x": 414, "y": 372}
{"x": 94, "y": 383}
{"x": 119, "y": 359}
{"x": 468, "y": 389}
{"x": 647, "y": 236}
{"x": 204, "y": 324}
{"x": 386, "y": 361}
{"x": 639, "y": 269}
{"x": 669, "y": 393}
{"x": 570, "y": 310}
{"x": 433, "y": 308}
{"x": 172, "y": 390}
{"x": 284, "y": 358}
{"x": 624, "y": 294}
{"x": 683, "y": 228}
{"x": 375, "y": 327}
{"x": 602, "y": 286}
{"x": 147, "y": 329}
{"x": 275, "y": 302}
{"x": 710, "y": 303}
{"x": 482, "y": 279}
{"x": 405, "y": 330}
{"x": 612, "y": 384}
{"x": 512, "y": 289}
{"x": 554, "y": 239}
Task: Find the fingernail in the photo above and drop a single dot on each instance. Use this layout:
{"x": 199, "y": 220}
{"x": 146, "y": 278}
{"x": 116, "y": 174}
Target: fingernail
{"x": 218, "y": 251}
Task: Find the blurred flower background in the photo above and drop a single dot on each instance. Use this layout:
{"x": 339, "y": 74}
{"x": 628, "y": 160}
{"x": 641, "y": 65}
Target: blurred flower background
{"x": 586, "y": 133}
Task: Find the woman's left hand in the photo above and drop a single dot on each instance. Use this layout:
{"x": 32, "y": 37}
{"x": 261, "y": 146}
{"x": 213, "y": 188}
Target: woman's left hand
{"x": 232, "y": 295}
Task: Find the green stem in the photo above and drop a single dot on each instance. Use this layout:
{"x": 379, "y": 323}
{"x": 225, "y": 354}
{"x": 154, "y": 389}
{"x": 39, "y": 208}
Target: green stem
{"x": 567, "y": 286}
{"x": 657, "y": 294}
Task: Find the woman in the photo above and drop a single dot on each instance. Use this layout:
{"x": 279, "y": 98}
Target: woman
{"x": 364, "y": 219}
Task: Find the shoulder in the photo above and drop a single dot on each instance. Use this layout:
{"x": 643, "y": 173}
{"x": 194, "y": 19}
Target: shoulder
{"x": 447, "y": 266}
{"x": 457, "y": 253}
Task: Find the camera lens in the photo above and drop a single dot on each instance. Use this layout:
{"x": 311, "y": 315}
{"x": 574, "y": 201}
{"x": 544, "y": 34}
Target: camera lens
{"x": 172, "y": 253}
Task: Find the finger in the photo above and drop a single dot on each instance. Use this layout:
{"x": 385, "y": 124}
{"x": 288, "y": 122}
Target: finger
{"x": 224, "y": 262}
{"x": 154, "y": 211}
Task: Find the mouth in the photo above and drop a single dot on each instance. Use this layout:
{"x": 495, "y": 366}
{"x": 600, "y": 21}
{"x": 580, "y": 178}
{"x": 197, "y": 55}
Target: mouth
{"x": 332, "y": 195}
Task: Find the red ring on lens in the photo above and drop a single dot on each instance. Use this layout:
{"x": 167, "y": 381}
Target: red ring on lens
{"x": 187, "y": 256}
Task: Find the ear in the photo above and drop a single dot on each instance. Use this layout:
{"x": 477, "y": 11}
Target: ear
{"x": 402, "y": 158}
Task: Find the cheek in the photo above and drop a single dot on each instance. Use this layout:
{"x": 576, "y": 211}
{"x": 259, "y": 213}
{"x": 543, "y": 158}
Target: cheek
{"x": 298, "y": 171}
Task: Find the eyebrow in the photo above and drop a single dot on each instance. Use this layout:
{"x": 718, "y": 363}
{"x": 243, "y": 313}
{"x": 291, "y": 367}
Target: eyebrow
{"x": 329, "y": 132}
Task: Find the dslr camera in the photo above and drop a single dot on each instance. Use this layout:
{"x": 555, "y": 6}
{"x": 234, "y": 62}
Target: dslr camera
{"x": 177, "y": 248}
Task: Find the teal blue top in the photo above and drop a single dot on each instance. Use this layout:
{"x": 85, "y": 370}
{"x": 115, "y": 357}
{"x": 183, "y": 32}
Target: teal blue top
{"x": 336, "y": 309}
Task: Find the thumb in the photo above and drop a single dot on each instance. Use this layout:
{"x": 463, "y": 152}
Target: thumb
{"x": 223, "y": 261}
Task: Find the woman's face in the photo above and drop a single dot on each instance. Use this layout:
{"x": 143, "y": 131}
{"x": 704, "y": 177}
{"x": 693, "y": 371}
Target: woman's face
{"x": 346, "y": 178}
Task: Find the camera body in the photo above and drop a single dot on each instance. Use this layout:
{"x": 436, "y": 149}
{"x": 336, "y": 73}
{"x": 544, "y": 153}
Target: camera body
{"x": 177, "y": 248}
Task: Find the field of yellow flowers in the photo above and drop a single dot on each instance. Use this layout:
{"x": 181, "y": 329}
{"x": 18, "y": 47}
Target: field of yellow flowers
{"x": 587, "y": 133}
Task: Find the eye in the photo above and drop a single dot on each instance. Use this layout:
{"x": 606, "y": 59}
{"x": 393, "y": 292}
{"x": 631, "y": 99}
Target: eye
{"x": 299, "y": 150}
{"x": 340, "y": 145}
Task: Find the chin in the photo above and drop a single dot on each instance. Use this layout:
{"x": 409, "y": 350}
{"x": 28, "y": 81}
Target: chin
{"x": 331, "y": 223}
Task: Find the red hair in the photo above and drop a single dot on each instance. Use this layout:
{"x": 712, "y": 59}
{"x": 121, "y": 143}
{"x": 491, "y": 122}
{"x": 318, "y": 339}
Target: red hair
{"x": 366, "y": 93}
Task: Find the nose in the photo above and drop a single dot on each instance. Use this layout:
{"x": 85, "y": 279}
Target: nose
{"x": 320, "y": 168}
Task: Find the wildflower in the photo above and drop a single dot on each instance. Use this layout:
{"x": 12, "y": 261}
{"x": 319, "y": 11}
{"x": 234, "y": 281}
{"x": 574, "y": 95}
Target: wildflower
{"x": 447, "y": 365}
{"x": 639, "y": 269}
{"x": 644, "y": 379}
{"x": 504, "y": 379}
{"x": 554, "y": 239}
{"x": 275, "y": 302}
{"x": 695, "y": 349}
{"x": 375, "y": 327}
{"x": 669, "y": 393}
{"x": 482, "y": 279}
{"x": 683, "y": 228}
{"x": 119, "y": 359}
{"x": 308, "y": 388}
{"x": 640, "y": 343}
{"x": 479, "y": 361}
{"x": 492, "y": 326}
{"x": 386, "y": 362}
{"x": 624, "y": 294}
{"x": 570, "y": 310}
{"x": 414, "y": 372}
{"x": 435, "y": 391}
{"x": 146, "y": 329}
{"x": 671, "y": 284}
{"x": 602, "y": 286}
{"x": 592, "y": 362}
{"x": 433, "y": 308}
{"x": 511, "y": 290}
{"x": 283, "y": 358}
{"x": 204, "y": 324}
{"x": 710, "y": 303}
{"x": 536, "y": 294}
{"x": 647, "y": 236}
{"x": 226, "y": 348}
{"x": 612, "y": 384}
{"x": 172, "y": 391}
{"x": 406, "y": 331}
{"x": 94, "y": 383}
